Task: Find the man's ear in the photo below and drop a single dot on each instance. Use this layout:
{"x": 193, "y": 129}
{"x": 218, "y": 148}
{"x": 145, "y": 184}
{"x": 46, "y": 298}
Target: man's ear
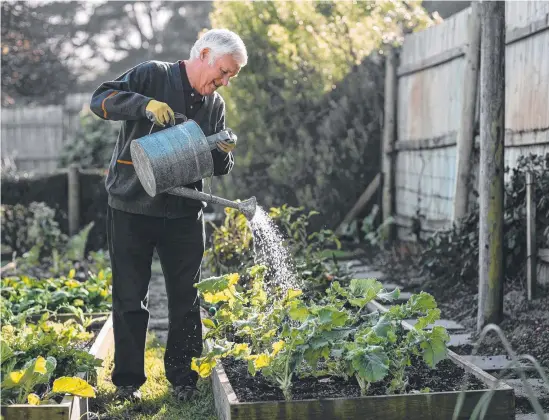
{"x": 204, "y": 54}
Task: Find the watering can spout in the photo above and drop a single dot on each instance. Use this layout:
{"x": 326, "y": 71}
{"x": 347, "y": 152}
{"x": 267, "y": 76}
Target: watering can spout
{"x": 247, "y": 207}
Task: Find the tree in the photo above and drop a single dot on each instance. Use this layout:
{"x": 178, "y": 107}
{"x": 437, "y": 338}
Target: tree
{"x": 33, "y": 69}
{"x": 111, "y": 36}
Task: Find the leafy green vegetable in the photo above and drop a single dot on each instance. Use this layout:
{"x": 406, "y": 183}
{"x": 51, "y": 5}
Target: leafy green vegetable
{"x": 288, "y": 335}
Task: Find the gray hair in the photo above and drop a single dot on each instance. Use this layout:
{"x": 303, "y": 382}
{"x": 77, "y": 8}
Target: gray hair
{"x": 221, "y": 42}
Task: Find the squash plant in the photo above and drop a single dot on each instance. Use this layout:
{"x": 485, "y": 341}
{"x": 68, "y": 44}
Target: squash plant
{"x": 35, "y": 354}
{"x": 283, "y": 334}
{"x": 18, "y": 385}
{"x": 24, "y": 294}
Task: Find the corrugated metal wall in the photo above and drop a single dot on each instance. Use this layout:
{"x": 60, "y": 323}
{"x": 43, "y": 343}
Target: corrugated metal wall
{"x": 430, "y": 86}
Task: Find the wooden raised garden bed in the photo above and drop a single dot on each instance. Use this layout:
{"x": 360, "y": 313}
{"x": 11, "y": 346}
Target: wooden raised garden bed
{"x": 419, "y": 406}
{"x": 71, "y": 407}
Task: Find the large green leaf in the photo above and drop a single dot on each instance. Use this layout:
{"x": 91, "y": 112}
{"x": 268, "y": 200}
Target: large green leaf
{"x": 371, "y": 363}
{"x": 365, "y": 287}
{"x": 383, "y": 326}
{"x": 213, "y": 284}
{"x": 421, "y": 302}
{"x": 389, "y": 296}
{"x": 326, "y": 338}
{"x": 298, "y": 311}
{"x": 434, "y": 346}
{"x": 5, "y": 351}
{"x": 430, "y": 317}
{"x": 332, "y": 316}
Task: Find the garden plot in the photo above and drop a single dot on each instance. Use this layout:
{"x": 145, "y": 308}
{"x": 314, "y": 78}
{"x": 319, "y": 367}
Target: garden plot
{"x": 52, "y": 387}
{"x": 287, "y": 358}
{"x": 317, "y": 351}
{"x": 56, "y": 331}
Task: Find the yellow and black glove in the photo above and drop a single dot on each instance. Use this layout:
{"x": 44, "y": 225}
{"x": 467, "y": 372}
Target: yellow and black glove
{"x": 227, "y": 145}
{"x": 160, "y": 113}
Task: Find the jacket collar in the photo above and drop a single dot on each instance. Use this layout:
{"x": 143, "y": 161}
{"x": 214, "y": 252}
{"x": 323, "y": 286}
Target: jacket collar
{"x": 176, "y": 71}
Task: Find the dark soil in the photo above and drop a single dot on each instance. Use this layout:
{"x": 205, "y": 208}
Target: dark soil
{"x": 446, "y": 377}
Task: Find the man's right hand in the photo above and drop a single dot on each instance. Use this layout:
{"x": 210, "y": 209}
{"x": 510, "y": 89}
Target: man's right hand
{"x": 160, "y": 113}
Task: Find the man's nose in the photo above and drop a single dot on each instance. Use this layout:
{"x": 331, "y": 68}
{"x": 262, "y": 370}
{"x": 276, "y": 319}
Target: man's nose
{"x": 226, "y": 80}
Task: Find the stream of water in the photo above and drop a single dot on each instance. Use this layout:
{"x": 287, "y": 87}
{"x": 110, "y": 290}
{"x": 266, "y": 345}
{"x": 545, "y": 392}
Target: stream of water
{"x": 269, "y": 249}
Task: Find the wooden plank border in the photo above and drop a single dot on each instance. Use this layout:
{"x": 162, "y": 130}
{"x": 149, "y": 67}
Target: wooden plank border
{"x": 534, "y": 137}
{"x": 434, "y": 60}
{"x": 511, "y": 36}
{"x": 71, "y": 407}
{"x": 517, "y": 34}
{"x": 439, "y": 142}
{"x": 513, "y": 138}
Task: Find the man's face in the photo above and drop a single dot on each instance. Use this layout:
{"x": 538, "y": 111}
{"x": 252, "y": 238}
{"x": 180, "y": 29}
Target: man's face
{"x": 218, "y": 74}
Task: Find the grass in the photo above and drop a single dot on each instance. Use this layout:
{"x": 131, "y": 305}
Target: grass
{"x": 156, "y": 403}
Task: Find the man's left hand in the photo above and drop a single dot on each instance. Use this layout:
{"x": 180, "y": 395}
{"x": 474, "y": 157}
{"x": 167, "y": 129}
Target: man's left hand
{"x": 229, "y": 144}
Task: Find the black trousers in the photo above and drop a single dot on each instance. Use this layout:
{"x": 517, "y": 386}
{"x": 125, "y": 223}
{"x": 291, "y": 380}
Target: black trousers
{"x": 180, "y": 246}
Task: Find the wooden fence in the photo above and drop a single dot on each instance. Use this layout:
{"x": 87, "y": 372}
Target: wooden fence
{"x": 429, "y": 83}
{"x": 34, "y": 137}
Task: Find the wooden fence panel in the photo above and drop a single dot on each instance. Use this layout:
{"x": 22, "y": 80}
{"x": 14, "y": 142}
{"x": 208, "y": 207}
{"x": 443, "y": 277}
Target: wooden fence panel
{"x": 430, "y": 84}
{"x": 34, "y": 136}
{"x": 429, "y": 108}
{"x": 527, "y": 80}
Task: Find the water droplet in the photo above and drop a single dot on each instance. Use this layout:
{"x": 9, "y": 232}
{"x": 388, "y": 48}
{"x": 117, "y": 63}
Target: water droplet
{"x": 269, "y": 249}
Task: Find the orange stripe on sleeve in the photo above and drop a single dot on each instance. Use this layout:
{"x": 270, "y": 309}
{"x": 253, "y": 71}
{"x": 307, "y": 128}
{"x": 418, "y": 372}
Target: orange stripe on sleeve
{"x": 103, "y": 104}
{"x": 125, "y": 162}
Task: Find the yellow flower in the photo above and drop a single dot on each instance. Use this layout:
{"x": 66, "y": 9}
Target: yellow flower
{"x": 71, "y": 283}
{"x": 233, "y": 278}
{"x": 262, "y": 361}
{"x": 203, "y": 366}
{"x": 78, "y": 302}
{"x": 293, "y": 293}
{"x": 279, "y": 345}
{"x": 40, "y": 365}
{"x": 240, "y": 349}
{"x": 216, "y": 297}
{"x": 33, "y": 399}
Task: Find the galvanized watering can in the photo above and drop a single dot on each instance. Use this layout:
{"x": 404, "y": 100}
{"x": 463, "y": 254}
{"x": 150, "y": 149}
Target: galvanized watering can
{"x": 166, "y": 160}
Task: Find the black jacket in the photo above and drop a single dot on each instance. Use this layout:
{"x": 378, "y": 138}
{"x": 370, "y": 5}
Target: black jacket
{"x": 125, "y": 99}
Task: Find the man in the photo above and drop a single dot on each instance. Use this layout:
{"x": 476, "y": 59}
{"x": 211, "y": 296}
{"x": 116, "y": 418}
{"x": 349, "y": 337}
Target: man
{"x": 138, "y": 223}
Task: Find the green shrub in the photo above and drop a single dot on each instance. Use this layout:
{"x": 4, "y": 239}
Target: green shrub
{"x": 93, "y": 143}
{"x": 24, "y": 227}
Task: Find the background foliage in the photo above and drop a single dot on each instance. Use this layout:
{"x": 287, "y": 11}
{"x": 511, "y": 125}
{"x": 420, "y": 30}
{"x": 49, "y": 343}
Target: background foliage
{"x": 453, "y": 254}
{"x": 33, "y": 70}
{"x": 93, "y": 143}
{"x": 308, "y": 106}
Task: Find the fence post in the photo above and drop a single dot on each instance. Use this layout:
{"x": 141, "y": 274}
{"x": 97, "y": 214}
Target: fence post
{"x": 389, "y": 138}
{"x": 74, "y": 198}
{"x": 466, "y": 133}
{"x": 491, "y": 187}
{"x": 531, "y": 245}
